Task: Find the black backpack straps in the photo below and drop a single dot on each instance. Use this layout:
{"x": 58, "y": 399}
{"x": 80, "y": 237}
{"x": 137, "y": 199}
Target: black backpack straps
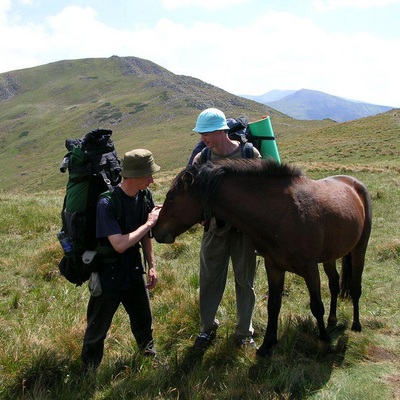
{"x": 205, "y": 155}
{"x": 247, "y": 150}
{"x": 148, "y": 206}
{"x": 107, "y": 180}
{"x": 117, "y": 203}
{"x": 114, "y": 198}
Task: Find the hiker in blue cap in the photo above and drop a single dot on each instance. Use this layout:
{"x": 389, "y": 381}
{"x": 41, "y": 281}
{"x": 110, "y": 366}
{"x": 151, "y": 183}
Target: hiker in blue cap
{"x": 221, "y": 242}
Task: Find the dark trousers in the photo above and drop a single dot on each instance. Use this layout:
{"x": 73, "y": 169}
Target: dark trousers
{"x": 100, "y": 313}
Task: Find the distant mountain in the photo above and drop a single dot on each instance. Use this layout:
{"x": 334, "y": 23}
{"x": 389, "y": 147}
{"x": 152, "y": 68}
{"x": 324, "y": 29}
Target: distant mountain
{"x": 314, "y": 105}
{"x": 273, "y": 95}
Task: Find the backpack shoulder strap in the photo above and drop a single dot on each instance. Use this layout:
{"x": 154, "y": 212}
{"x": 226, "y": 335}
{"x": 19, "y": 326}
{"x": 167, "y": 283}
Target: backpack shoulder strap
{"x": 247, "y": 150}
{"x": 114, "y": 198}
{"x": 147, "y": 201}
{"x": 107, "y": 181}
{"x": 205, "y": 155}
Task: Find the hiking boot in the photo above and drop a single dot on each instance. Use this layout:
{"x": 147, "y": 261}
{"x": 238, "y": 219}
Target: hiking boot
{"x": 204, "y": 340}
{"x": 150, "y": 350}
{"x": 245, "y": 341}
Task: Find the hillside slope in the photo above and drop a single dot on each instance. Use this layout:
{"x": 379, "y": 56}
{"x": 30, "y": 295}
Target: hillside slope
{"x": 145, "y": 105}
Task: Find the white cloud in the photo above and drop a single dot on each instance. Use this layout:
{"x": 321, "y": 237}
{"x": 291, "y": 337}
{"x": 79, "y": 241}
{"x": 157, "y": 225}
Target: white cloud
{"x": 76, "y": 30}
{"x": 274, "y": 51}
{"x": 5, "y": 5}
{"x": 270, "y": 55}
{"x": 327, "y": 5}
{"x": 207, "y": 4}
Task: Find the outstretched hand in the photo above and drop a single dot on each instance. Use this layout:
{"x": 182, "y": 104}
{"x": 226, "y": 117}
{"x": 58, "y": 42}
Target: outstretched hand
{"x": 153, "y": 215}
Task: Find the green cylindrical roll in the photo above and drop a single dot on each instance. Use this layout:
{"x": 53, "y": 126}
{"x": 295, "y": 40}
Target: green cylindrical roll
{"x": 264, "y": 139}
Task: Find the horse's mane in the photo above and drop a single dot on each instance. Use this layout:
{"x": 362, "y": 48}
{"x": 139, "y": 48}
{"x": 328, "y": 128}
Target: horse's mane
{"x": 250, "y": 167}
{"x": 209, "y": 175}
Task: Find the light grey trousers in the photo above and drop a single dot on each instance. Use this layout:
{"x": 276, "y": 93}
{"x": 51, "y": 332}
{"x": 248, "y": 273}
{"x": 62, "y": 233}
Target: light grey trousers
{"x": 216, "y": 251}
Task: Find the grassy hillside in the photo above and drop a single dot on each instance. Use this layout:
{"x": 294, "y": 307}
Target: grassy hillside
{"x": 372, "y": 142}
{"x": 144, "y": 104}
{"x": 42, "y": 316}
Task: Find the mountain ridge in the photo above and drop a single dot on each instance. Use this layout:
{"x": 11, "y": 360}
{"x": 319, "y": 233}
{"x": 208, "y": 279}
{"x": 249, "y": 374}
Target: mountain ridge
{"x": 145, "y": 105}
{"x": 309, "y": 104}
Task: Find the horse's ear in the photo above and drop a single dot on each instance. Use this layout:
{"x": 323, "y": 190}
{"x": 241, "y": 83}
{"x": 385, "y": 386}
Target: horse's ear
{"x": 188, "y": 178}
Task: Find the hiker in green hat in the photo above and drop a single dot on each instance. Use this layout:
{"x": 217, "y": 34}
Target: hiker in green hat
{"x": 123, "y": 223}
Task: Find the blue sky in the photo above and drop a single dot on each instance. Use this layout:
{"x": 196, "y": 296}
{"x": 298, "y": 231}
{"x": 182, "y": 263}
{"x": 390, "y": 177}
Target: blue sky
{"x": 347, "y": 48}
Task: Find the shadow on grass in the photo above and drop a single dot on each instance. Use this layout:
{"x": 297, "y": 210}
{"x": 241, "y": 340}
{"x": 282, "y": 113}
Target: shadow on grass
{"x": 300, "y": 364}
{"x": 47, "y": 376}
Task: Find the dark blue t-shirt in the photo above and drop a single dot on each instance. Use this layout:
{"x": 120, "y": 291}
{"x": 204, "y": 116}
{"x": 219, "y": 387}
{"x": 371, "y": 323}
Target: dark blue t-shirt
{"x": 119, "y": 275}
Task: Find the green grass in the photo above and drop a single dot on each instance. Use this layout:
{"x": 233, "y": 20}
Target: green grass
{"x": 42, "y": 320}
{"x": 42, "y": 316}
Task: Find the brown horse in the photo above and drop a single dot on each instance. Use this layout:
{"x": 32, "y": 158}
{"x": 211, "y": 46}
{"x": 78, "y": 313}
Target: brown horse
{"x": 294, "y": 222}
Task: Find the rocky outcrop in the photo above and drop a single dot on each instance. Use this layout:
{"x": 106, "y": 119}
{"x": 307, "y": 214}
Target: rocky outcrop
{"x": 9, "y": 87}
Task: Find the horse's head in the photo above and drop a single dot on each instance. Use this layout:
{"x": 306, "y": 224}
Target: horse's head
{"x": 181, "y": 209}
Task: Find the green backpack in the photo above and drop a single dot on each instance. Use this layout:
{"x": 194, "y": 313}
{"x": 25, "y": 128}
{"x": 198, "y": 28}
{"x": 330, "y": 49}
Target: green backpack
{"x": 93, "y": 168}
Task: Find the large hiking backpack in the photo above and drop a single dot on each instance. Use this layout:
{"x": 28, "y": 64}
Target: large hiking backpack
{"x": 239, "y": 130}
{"x": 93, "y": 168}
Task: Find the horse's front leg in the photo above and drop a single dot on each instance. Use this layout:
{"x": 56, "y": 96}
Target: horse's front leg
{"x": 334, "y": 288}
{"x": 276, "y": 279}
{"x": 313, "y": 282}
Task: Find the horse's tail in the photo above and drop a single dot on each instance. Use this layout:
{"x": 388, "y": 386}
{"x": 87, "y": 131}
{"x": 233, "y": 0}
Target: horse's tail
{"x": 345, "y": 276}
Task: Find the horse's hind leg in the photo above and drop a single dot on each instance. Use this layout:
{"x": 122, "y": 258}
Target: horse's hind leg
{"x": 317, "y": 307}
{"x": 354, "y": 262}
{"x": 334, "y": 288}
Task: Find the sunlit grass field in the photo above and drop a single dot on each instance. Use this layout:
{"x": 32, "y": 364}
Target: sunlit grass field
{"x": 42, "y": 318}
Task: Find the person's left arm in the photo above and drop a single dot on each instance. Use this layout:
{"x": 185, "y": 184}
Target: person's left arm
{"x": 148, "y": 253}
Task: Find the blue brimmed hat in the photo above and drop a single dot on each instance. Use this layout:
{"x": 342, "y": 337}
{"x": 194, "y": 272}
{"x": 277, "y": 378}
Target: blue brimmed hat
{"x": 211, "y": 120}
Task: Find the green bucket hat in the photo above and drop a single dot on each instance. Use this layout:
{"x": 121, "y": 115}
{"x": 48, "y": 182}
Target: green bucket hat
{"x": 138, "y": 163}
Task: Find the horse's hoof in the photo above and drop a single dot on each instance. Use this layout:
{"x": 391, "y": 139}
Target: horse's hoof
{"x": 263, "y": 353}
{"x": 356, "y": 327}
{"x": 325, "y": 338}
{"x": 332, "y": 322}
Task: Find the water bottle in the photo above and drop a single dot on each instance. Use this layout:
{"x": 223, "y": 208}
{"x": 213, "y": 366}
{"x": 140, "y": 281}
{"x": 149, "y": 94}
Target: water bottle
{"x": 65, "y": 243}
{"x": 64, "y": 164}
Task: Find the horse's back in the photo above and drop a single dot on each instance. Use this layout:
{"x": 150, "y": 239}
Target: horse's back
{"x": 334, "y": 215}
{"x": 357, "y": 200}
{"x": 358, "y": 188}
